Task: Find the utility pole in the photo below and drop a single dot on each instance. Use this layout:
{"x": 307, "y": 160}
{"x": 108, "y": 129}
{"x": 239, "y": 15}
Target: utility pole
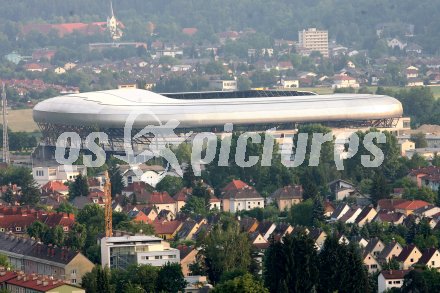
{"x": 108, "y": 206}
{"x": 6, "y": 156}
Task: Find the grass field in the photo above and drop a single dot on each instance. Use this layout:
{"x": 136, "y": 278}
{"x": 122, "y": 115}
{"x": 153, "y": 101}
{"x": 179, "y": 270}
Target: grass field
{"x": 21, "y": 120}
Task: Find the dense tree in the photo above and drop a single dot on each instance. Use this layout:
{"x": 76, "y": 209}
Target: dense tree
{"x": 414, "y": 282}
{"x": 291, "y": 266}
{"x": 302, "y": 213}
{"x": 79, "y": 187}
{"x": 8, "y": 196}
{"x": 341, "y": 268}
{"x": 419, "y": 139}
{"x": 170, "y": 184}
{"x": 76, "y": 237}
{"x": 117, "y": 182}
{"x": 4, "y": 261}
{"x": 225, "y": 249}
{"x": 37, "y": 230}
{"x": 66, "y": 207}
{"x": 379, "y": 188}
{"x": 170, "y": 278}
{"x": 242, "y": 284}
{"x": 318, "y": 210}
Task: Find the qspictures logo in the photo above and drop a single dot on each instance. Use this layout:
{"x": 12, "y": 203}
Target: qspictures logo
{"x": 163, "y": 138}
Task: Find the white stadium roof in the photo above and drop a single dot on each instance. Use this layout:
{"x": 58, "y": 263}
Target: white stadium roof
{"x": 110, "y": 109}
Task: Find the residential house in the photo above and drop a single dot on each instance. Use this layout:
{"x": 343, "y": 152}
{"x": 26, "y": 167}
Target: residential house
{"x": 17, "y": 219}
{"x": 287, "y": 196}
{"x": 167, "y": 229}
{"x": 410, "y": 255}
{"x": 161, "y": 201}
{"x": 427, "y": 211}
{"x": 351, "y": 215}
{"x": 248, "y": 225}
{"x": 44, "y": 174}
{"x": 412, "y": 72}
{"x": 389, "y": 217}
{"x": 14, "y": 281}
{"x": 214, "y": 203}
{"x": 430, "y": 258}
{"x": 340, "y": 211}
{"x": 151, "y": 174}
{"x": 181, "y": 197}
{"x": 281, "y": 230}
{"x": 319, "y": 236}
{"x": 341, "y": 188}
{"x": 418, "y": 175}
{"x": 406, "y": 145}
{"x": 188, "y": 229}
{"x": 366, "y": 216}
{"x": 238, "y": 196}
{"x": 329, "y": 208}
{"x": 55, "y": 187}
{"x": 258, "y": 241}
{"x": 31, "y": 256}
{"x": 266, "y": 228}
{"x": 188, "y": 256}
{"x": 389, "y": 205}
{"x": 361, "y": 241}
{"x": 150, "y": 212}
{"x": 344, "y": 81}
{"x": 139, "y": 217}
{"x": 391, "y": 250}
{"x": 166, "y": 215}
{"x": 390, "y": 279}
{"x": 409, "y": 206}
{"x": 371, "y": 263}
{"x": 375, "y": 246}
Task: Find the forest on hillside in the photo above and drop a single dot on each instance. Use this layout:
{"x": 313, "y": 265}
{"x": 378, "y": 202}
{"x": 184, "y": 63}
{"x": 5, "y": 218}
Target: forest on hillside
{"x": 350, "y": 22}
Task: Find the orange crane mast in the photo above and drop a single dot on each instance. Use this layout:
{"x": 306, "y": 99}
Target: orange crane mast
{"x": 108, "y": 206}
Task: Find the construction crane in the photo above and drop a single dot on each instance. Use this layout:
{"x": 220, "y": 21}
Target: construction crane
{"x": 108, "y": 205}
{"x": 5, "y": 151}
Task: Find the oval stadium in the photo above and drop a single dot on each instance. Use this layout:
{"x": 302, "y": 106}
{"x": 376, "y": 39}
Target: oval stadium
{"x": 108, "y": 110}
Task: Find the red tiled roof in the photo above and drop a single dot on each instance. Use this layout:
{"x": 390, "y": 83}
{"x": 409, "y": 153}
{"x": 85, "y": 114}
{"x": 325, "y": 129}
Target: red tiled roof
{"x": 182, "y": 195}
{"x": 166, "y": 227}
{"x": 35, "y": 283}
{"x": 235, "y": 185}
{"x": 394, "y": 274}
{"x": 6, "y": 275}
{"x": 160, "y": 198}
{"x": 53, "y": 186}
{"x": 389, "y": 204}
{"x": 388, "y": 217}
{"x": 412, "y": 205}
{"x": 189, "y": 31}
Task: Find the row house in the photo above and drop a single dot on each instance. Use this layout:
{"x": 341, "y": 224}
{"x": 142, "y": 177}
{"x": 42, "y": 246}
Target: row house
{"x": 17, "y": 219}
{"x": 31, "y": 256}
{"x": 422, "y": 176}
{"x": 17, "y": 281}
